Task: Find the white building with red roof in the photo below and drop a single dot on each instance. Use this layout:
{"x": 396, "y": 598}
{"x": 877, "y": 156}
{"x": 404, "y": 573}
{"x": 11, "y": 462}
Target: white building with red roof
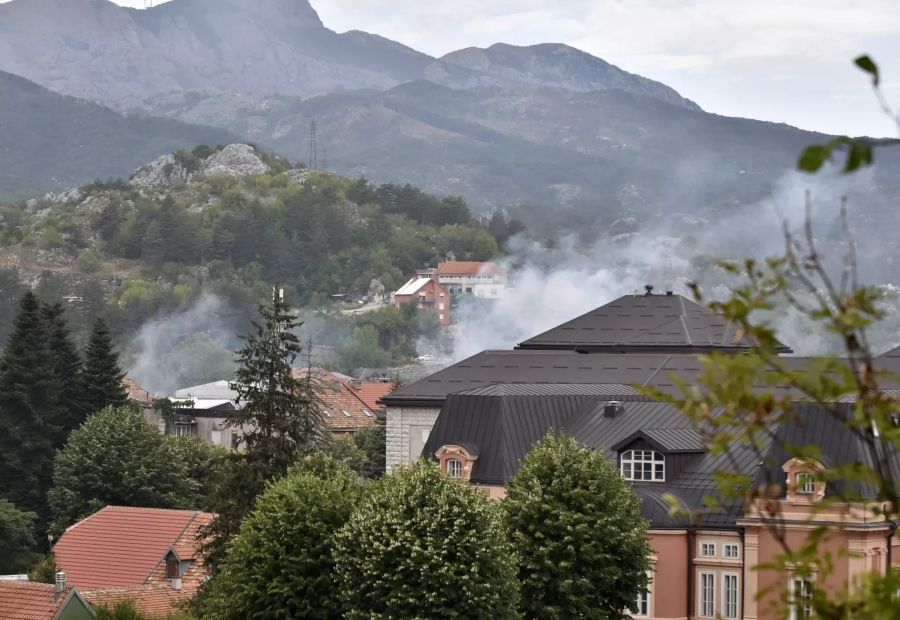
{"x": 481, "y": 279}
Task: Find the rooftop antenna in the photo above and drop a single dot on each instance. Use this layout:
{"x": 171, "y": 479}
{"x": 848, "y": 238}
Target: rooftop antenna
{"x": 313, "y": 164}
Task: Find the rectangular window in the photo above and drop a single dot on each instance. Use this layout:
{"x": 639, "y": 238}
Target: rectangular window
{"x": 730, "y": 596}
{"x": 642, "y": 605}
{"x": 731, "y": 551}
{"x": 184, "y": 430}
{"x": 806, "y": 483}
{"x": 801, "y": 598}
{"x": 707, "y": 595}
{"x": 707, "y": 550}
{"x": 441, "y": 306}
{"x": 440, "y": 317}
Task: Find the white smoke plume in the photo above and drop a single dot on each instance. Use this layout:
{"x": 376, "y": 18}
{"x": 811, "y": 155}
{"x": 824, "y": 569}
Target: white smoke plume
{"x": 185, "y": 348}
{"x": 550, "y": 286}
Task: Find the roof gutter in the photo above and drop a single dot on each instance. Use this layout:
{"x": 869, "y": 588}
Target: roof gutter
{"x": 691, "y": 535}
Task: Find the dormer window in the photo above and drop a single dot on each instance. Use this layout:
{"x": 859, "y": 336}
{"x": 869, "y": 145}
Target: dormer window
{"x": 804, "y": 484}
{"x": 173, "y": 566}
{"x": 643, "y": 465}
{"x": 454, "y": 468}
{"x": 457, "y": 461}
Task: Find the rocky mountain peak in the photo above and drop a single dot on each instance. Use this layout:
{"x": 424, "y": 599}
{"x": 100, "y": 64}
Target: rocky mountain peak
{"x": 289, "y": 12}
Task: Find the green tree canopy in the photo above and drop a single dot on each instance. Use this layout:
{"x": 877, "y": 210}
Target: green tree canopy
{"x": 280, "y": 563}
{"x": 102, "y": 375}
{"x": 117, "y": 458}
{"x": 422, "y": 542}
{"x": 577, "y": 527}
{"x": 17, "y": 541}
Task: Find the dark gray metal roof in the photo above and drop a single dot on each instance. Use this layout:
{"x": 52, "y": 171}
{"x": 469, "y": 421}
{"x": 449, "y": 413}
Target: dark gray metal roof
{"x": 667, "y": 439}
{"x": 555, "y": 389}
{"x": 650, "y": 323}
{"x": 504, "y": 427}
{"x": 656, "y": 370}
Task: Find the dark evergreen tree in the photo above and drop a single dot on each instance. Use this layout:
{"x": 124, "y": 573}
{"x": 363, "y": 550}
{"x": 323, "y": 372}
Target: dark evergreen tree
{"x": 66, "y": 364}
{"x": 102, "y": 376}
{"x": 280, "y": 421}
{"x": 28, "y": 407}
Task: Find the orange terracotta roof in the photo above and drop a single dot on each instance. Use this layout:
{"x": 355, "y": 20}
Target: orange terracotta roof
{"x": 118, "y": 546}
{"x": 151, "y": 600}
{"x": 468, "y": 268}
{"x": 343, "y": 409}
{"x": 137, "y": 393}
{"x": 372, "y": 391}
{"x": 26, "y": 600}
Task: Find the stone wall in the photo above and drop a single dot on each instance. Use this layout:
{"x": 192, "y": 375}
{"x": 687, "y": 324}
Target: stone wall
{"x": 401, "y": 421}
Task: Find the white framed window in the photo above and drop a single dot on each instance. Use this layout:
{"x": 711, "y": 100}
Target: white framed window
{"x": 440, "y": 317}
{"x": 641, "y": 608}
{"x": 643, "y": 465}
{"x": 454, "y": 468}
{"x": 731, "y": 551}
{"x": 731, "y": 596}
{"x": 805, "y": 483}
{"x": 184, "y": 430}
{"x": 707, "y": 595}
{"x": 801, "y": 595}
{"x": 441, "y": 306}
{"x": 707, "y": 549}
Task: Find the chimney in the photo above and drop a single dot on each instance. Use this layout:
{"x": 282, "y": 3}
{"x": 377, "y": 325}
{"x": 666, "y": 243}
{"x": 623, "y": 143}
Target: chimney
{"x": 60, "y": 582}
{"x": 649, "y": 289}
{"x": 356, "y": 383}
{"x": 613, "y": 409}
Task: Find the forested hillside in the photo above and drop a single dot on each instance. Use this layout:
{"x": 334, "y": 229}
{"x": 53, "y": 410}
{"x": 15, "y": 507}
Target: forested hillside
{"x": 49, "y": 142}
{"x": 130, "y": 253}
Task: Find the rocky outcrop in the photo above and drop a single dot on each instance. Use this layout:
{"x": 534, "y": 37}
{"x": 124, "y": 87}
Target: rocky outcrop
{"x": 161, "y": 173}
{"x": 235, "y": 160}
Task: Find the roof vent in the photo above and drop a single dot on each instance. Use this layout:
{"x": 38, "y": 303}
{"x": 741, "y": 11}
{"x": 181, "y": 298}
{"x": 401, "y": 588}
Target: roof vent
{"x": 60, "y": 582}
{"x": 649, "y": 289}
{"x": 670, "y": 293}
{"x": 613, "y": 409}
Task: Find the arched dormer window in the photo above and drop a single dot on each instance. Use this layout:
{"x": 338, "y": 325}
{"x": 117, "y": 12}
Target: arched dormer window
{"x": 643, "y": 465}
{"x": 804, "y": 485}
{"x": 457, "y": 461}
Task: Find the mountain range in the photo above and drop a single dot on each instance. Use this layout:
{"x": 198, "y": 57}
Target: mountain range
{"x": 571, "y": 137}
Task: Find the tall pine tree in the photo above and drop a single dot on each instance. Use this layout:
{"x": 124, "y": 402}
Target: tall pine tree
{"x": 66, "y": 364}
{"x": 28, "y": 408}
{"x": 101, "y": 375}
{"x": 280, "y": 420}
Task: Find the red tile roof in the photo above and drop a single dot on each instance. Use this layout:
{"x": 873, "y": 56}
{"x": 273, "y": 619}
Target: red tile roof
{"x": 119, "y": 546}
{"x": 371, "y": 391}
{"x": 137, "y": 393}
{"x": 343, "y": 407}
{"x": 25, "y": 600}
{"x": 468, "y": 268}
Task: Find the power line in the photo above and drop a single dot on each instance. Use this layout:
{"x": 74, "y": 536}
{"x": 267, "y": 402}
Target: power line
{"x": 313, "y": 154}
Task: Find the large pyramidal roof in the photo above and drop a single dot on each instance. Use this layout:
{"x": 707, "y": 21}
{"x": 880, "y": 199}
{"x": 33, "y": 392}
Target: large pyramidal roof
{"x": 646, "y": 323}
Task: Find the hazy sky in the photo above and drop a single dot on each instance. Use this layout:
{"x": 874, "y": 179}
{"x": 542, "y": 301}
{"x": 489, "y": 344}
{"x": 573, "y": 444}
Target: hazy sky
{"x": 779, "y": 60}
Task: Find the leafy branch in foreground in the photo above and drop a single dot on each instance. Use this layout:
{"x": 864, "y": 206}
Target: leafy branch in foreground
{"x": 744, "y": 402}
{"x": 859, "y": 151}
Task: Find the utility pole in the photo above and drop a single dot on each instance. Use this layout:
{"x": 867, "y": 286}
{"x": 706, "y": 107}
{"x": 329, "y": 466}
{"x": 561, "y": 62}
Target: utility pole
{"x": 313, "y": 164}
{"x": 324, "y": 159}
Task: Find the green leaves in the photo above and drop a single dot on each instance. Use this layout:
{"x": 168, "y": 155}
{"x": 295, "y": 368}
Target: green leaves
{"x": 858, "y": 150}
{"x": 858, "y": 154}
{"x": 868, "y": 65}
